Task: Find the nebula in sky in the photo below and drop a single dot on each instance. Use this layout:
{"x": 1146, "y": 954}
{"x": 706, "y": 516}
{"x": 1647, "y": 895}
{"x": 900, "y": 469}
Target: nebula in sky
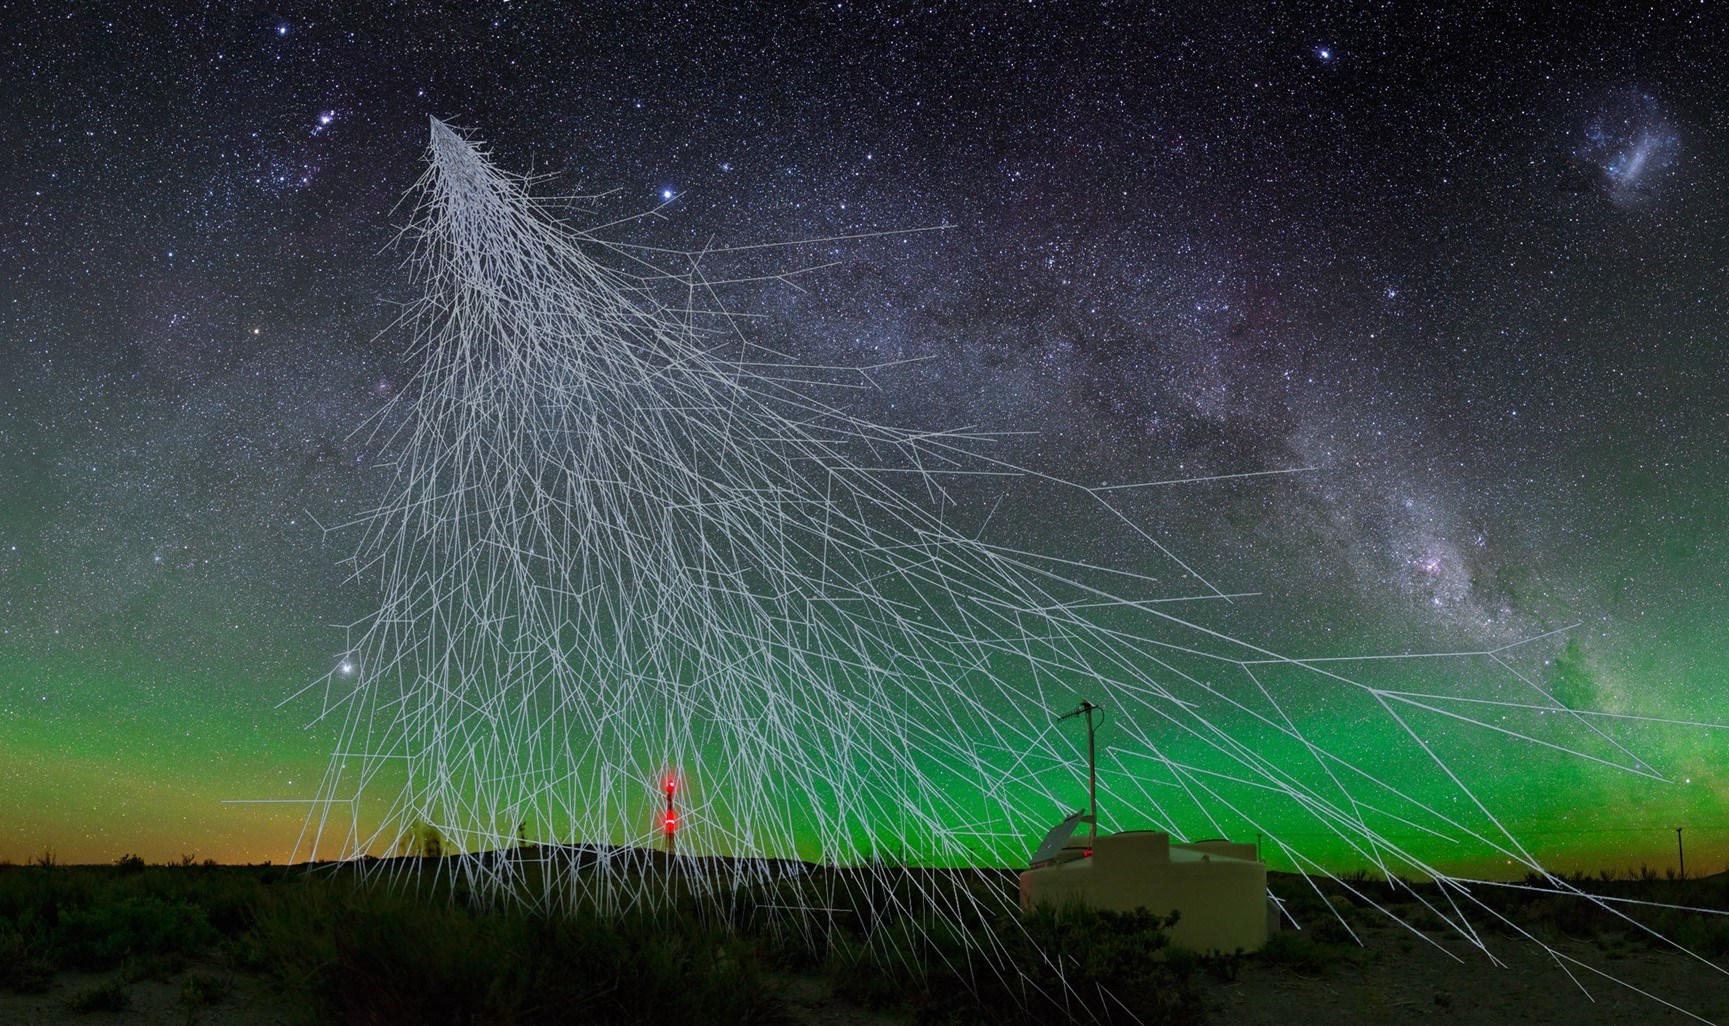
{"x": 1629, "y": 144}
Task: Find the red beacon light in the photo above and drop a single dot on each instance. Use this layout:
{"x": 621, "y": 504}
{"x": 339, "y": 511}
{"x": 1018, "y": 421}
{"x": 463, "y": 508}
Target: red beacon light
{"x": 669, "y": 820}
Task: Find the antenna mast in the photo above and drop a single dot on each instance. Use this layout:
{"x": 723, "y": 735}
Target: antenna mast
{"x": 1086, "y": 708}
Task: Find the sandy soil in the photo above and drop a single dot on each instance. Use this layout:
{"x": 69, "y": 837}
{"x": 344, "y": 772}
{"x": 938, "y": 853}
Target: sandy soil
{"x": 1399, "y": 978}
{"x": 810, "y": 1002}
{"x": 1396, "y": 979}
{"x": 249, "y": 1002}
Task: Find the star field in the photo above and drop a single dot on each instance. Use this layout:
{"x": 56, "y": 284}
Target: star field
{"x": 1466, "y": 267}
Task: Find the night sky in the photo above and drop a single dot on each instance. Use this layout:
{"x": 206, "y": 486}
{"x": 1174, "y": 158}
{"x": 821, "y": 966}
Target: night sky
{"x": 1469, "y": 267}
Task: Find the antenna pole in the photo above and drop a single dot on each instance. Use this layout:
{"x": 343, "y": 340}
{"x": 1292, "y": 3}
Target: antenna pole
{"x": 1093, "y": 782}
{"x": 1092, "y": 772}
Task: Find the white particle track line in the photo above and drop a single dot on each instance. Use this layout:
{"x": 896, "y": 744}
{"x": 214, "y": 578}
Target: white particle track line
{"x": 619, "y": 538}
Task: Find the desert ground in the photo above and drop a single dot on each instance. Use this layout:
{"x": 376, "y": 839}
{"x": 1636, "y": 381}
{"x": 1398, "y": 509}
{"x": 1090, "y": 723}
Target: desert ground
{"x": 251, "y": 947}
{"x": 1391, "y": 980}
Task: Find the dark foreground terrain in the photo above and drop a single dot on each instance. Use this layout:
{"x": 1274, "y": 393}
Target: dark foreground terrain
{"x": 210, "y": 944}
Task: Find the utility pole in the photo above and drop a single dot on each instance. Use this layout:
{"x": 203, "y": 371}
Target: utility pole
{"x": 1680, "y": 852}
{"x": 1086, "y": 709}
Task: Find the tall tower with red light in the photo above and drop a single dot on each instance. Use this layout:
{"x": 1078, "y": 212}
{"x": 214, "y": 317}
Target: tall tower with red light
{"x": 669, "y": 822}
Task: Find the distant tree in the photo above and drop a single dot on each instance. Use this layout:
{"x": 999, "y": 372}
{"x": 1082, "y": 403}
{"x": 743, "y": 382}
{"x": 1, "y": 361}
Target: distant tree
{"x": 46, "y": 860}
{"x": 428, "y": 841}
{"x": 188, "y": 859}
{"x": 128, "y": 864}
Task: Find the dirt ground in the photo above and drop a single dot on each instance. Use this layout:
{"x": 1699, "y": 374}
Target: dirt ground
{"x": 1397, "y": 978}
{"x": 249, "y": 1002}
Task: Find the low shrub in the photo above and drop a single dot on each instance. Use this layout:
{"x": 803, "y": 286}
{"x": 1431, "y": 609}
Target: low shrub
{"x": 200, "y": 991}
{"x": 1299, "y": 952}
{"x": 158, "y": 967}
{"x": 103, "y": 936}
{"x": 1067, "y": 965}
{"x": 106, "y": 997}
{"x": 1705, "y": 935}
{"x": 370, "y": 956}
{"x": 1223, "y": 966}
{"x": 21, "y": 970}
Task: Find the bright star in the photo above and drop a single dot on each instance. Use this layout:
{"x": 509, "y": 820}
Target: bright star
{"x": 1324, "y": 53}
{"x": 282, "y": 30}
{"x": 666, "y": 194}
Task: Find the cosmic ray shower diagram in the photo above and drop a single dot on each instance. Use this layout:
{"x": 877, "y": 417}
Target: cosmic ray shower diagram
{"x": 627, "y": 551}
